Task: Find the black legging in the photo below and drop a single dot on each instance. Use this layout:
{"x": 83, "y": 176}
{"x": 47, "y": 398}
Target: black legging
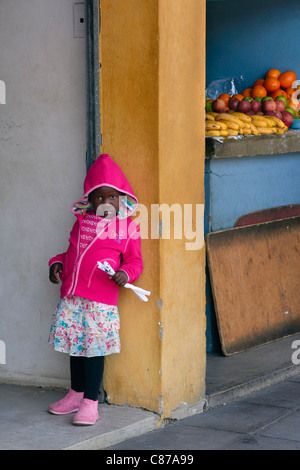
{"x": 86, "y": 375}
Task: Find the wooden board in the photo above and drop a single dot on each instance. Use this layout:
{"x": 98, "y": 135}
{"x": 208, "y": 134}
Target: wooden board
{"x": 266, "y": 215}
{"x": 255, "y": 278}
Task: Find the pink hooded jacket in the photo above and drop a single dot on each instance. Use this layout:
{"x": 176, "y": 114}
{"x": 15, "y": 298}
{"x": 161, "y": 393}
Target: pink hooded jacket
{"x": 117, "y": 240}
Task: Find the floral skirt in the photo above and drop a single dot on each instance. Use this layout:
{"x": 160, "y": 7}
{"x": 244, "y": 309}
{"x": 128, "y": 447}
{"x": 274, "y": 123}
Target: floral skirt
{"x": 82, "y": 327}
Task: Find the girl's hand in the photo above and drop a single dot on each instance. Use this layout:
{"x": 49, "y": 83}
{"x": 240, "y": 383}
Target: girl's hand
{"x": 55, "y": 268}
{"x": 120, "y": 278}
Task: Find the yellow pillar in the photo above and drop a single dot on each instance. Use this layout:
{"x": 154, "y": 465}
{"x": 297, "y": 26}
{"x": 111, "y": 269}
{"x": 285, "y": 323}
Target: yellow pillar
{"x": 152, "y": 81}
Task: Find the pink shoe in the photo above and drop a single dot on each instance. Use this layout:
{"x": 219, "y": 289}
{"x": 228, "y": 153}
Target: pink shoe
{"x": 88, "y": 412}
{"x": 69, "y": 404}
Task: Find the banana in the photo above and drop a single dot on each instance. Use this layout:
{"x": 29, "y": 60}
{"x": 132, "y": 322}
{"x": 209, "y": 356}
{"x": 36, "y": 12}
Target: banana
{"x": 271, "y": 123}
{"x": 260, "y": 123}
{"x": 265, "y": 130}
{"x": 248, "y": 132}
{"x": 224, "y": 133}
{"x": 278, "y": 130}
{"x": 223, "y": 124}
{"x": 212, "y": 133}
{"x": 229, "y": 117}
{"x": 243, "y": 117}
{"x": 278, "y": 121}
{"x": 208, "y": 117}
{"x": 232, "y": 132}
{"x": 229, "y": 125}
{"x": 212, "y": 126}
{"x": 211, "y": 113}
{"x": 253, "y": 129}
{"x": 259, "y": 119}
{"x": 258, "y": 116}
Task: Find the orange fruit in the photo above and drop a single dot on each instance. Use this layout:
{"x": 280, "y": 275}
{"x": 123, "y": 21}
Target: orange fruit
{"x": 273, "y": 73}
{"x": 258, "y": 90}
{"x": 289, "y": 91}
{"x": 287, "y": 78}
{"x": 238, "y": 96}
{"x": 260, "y": 82}
{"x": 279, "y": 92}
{"x": 272, "y": 84}
{"x": 247, "y": 92}
{"x": 225, "y": 97}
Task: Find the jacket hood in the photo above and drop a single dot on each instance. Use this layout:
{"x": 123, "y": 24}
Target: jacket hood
{"x": 105, "y": 172}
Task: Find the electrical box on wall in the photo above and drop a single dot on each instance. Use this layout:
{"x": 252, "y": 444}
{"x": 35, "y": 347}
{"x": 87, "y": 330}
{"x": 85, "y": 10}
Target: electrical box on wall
{"x": 78, "y": 20}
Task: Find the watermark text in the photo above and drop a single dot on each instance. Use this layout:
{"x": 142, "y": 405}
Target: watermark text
{"x": 2, "y": 352}
{"x": 163, "y": 221}
{"x": 296, "y": 354}
{"x": 2, "y": 92}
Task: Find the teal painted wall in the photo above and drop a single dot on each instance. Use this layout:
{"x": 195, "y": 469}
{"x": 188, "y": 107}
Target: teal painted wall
{"x": 237, "y": 186}
{"x": 248, "y": 38}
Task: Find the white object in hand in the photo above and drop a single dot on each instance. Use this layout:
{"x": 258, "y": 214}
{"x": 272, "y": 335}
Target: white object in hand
{"x": 141, "y": 293}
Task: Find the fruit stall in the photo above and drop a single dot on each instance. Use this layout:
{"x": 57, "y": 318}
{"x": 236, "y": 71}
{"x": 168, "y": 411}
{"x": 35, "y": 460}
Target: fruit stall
{"x": 252, "y": 120}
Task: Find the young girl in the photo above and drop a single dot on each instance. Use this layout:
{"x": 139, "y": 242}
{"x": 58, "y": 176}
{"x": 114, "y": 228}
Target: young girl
{"x": 86, "y": 320}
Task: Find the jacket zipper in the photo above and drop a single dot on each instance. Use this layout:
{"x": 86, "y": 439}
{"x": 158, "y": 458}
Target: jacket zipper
{"x": 75, "y": 265}
{"x": 78, "y": 262}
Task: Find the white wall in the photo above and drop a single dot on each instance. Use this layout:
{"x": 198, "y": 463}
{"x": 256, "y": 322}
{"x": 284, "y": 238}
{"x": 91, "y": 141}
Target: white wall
{"x": 42, "y": 158}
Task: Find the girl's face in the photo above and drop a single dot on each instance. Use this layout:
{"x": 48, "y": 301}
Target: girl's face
{"x": 105, "y": 201}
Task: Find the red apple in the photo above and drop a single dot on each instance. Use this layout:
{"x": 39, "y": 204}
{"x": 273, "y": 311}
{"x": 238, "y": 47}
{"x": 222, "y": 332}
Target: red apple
{"x": 268, "y": 105}
{"x": 278, "y": 114}
{"x": 270, "y": 113}
{"x": 218, "y": 106}
{"x": 280, "y": 105}
{"x": 244, "y": 106}
{"x": 233, "y": 102}
{"x": 255, "y": 106}
{"x": 287, "y": 117}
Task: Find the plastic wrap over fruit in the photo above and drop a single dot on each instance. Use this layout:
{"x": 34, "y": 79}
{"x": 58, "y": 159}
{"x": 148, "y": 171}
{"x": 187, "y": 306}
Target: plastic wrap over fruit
{"x": 231, "y": 85}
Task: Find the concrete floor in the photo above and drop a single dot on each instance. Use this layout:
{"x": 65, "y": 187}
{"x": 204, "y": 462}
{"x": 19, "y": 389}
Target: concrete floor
{"x": 250, "y": 369}
{"x": 26, "y": 424}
